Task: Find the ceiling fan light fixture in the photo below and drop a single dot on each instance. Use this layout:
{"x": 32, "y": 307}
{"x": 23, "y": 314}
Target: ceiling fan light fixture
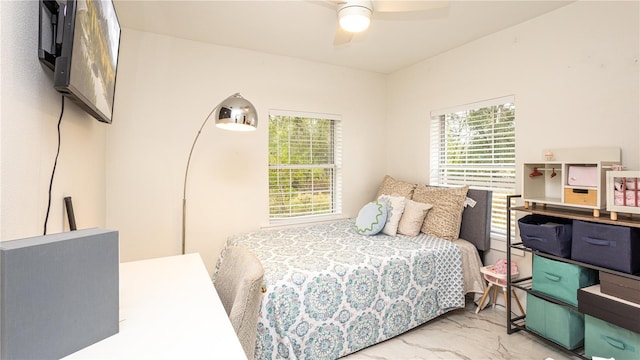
{"x": 354, "y": 18}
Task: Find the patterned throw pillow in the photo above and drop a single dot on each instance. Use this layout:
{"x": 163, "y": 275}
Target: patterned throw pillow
{"x": 391, "y": 186}
{"x": 395, "y": 208}
{"x": 444, "y": 219}
{"x": 413, "y": 217}
{"x": 371, "y": 218}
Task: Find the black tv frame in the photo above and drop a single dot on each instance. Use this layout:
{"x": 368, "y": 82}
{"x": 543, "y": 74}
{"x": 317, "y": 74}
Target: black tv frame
{"x": 50, "y": 34}
{"x": 56, "y": 46}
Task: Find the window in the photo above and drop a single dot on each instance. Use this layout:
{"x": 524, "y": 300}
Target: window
{"x": 304, "y": 164}
{"x": 474, "y": 144}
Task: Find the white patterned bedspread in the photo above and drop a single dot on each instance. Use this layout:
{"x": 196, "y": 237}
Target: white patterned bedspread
{"x": 331, "y": 291}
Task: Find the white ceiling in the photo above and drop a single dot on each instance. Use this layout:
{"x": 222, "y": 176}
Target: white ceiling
{"x": 306, "y": 29}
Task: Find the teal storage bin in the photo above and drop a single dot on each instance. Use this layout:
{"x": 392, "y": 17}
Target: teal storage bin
{"x": 561, "y": 280}
{"x": 606, "y": 340}
{"x": 558, "y": 323}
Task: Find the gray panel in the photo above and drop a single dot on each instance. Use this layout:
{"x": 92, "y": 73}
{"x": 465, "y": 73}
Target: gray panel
{"x": 58, "y": 293}
{"x": 476, "y": 221}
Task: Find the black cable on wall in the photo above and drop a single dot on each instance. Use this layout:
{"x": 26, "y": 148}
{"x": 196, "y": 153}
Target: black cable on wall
{"x": 53, "y": 172}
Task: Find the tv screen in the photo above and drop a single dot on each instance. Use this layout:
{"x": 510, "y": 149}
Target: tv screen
{"x": 86, "y": 65}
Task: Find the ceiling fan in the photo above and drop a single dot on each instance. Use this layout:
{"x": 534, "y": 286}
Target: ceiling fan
{"x": 354, "y": 16}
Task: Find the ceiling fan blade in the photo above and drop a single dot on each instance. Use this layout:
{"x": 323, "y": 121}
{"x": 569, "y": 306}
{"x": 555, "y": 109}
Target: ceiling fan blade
{"x": 342, "y": 37}
{"x": 408, "y": 6}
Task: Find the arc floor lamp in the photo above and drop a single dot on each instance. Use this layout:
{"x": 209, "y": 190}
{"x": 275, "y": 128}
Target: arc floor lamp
{"x": 233, "y": 113}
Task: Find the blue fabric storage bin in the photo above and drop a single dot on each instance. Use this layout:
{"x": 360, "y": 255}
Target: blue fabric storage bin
{"x": 548, "y": 234}
{"x": 610, "y": 246}
{"x": 606, "y": 340}
{"x": 558, "y": 323}
{"x": 561, "y": 280}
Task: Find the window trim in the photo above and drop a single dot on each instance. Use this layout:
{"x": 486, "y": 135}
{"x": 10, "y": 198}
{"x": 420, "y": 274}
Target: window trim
{"x": 304, "y": 114}
{"x": 474, "y": 105}
{"x": 435, "y": 137}
{"x": 337, "y": 166}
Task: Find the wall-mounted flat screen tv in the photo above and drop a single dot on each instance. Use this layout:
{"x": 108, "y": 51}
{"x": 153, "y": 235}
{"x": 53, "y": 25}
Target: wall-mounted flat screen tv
{"x": 79, "y": 40}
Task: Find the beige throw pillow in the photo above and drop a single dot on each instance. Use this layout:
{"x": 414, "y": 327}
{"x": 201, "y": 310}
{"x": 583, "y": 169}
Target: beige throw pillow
{"x": 444, "y": 219}
{"x": 395, "y": 209}
{"x": 413, "y": 217}
{"x": 391, "y": 186}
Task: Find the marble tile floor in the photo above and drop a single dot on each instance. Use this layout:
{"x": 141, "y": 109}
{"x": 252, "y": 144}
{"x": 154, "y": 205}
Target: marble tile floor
{"x": 463, "y": 334}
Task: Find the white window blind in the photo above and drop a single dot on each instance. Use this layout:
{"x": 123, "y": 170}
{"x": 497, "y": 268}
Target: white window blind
{"x": 474, "y": 144}
{"x": 305, "y": 153}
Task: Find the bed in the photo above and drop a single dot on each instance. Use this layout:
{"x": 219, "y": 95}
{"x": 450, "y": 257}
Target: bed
{"x": 330, "y": 291}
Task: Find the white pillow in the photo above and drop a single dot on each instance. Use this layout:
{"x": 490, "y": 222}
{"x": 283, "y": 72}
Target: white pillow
{"x": 413, "y": 217}
{"x": 395, "y": 208}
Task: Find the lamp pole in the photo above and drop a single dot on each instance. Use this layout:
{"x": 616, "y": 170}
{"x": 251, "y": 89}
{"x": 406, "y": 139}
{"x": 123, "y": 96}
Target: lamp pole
{"x": 186, "y": 174}
{"x": 234, "y": 113}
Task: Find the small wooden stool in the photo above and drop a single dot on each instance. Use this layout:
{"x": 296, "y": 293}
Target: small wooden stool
{"x": 494, "y": 281}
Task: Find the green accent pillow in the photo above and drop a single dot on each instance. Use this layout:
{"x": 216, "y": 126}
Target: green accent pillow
{"x": 371, "y": 218}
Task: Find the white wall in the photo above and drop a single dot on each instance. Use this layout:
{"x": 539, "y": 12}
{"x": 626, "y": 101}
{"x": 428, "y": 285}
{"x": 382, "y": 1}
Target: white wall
{"x": 29, "y": 111}
{"x": 167, "y": 86}
{"x": 574, "y": 74}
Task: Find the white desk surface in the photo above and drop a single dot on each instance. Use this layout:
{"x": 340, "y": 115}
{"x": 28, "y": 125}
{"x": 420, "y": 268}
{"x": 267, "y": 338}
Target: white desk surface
{"x": 169, "y": 309}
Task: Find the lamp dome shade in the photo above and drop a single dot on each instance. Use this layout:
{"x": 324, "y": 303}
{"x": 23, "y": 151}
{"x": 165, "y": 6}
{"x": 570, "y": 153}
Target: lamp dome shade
{"x": 236, "y": 113}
